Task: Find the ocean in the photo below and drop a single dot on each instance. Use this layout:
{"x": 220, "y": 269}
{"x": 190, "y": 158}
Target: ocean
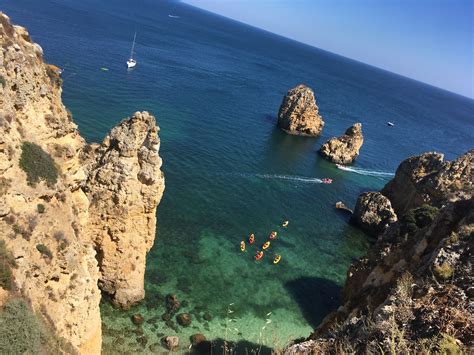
{"x": 215, "y": 87}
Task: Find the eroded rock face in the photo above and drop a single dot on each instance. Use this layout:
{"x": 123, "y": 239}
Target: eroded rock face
{"x": 427, "y": 178}
{"x": 373, "y": 213}
{"x": 61, "y": 281}
{"x": 419, "y": 269}
{"x": 124, "y": 187}
{"x": 299, "y": 113}
{"x": 344, "y": 149}
{"x": 55, "y": 230}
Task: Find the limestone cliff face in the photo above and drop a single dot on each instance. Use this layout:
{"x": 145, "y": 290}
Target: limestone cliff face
{"x": 124, "y": 188}
{"x": 427, "y": 178}
{"x": 53, "y": 218}
{"x": 414, "y": 288}
{"x": 299, "y": 113}
{"x": 344, "y": 149}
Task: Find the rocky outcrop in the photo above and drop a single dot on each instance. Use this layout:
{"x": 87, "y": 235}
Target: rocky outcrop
{"x": 299, "y": 114}
{"x": 414, "y": 287}
{"x": 124, "y": 186}
{"x": 344, "y": 149}
{"x": 53, "y": 217}
{"x": 427, "y": 178}
{"x": 373, "y": 213}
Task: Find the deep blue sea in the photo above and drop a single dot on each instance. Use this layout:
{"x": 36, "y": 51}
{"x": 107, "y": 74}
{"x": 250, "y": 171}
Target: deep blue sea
{"x": 215, "y": 86}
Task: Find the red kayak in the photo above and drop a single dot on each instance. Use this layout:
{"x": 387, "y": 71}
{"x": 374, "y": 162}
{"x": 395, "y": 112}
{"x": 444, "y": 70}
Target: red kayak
{"x": 259, "y": 255}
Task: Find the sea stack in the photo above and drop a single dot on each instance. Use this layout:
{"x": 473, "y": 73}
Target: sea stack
{"x": 299, "y": 114}
{"x": 373, "y": 213}
{"x": 344, "y": 149}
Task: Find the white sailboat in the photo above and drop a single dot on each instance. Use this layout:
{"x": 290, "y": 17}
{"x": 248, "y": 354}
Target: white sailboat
{"x": 132, "y": 62}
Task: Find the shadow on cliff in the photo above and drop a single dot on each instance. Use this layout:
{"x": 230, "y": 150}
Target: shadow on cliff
{"x": 316, "y": 296}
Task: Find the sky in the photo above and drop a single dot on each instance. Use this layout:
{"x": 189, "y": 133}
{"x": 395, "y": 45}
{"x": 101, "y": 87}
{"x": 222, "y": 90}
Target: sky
{"x": 426, "y": 40}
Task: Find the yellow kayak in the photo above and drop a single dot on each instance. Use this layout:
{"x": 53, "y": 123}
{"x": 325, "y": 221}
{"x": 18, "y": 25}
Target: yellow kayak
{"x": 285, "y": 224}
{"x": 242, "y": 245}
{"x": 277, "y": 259}
{"x": 266, "y": 245}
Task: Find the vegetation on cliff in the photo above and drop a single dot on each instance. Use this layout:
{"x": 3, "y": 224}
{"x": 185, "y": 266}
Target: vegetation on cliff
{"x": 37, "y": 164}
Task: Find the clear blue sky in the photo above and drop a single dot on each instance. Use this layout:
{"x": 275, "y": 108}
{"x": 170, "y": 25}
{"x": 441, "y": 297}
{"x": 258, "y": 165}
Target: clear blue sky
{"x": 427, "y": 40}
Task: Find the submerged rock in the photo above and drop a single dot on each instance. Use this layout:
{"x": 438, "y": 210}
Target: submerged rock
{"x": 170, "y": 342}
{"x": 299, "y": 113}
{"x": 137, "y": 319}
{"x": 172, "y": 304}
{"x": 200, "y": 343}
{"x": 373, "y": 213}
{"x": 184, "y": 319}
{"x": 344, "y": 149}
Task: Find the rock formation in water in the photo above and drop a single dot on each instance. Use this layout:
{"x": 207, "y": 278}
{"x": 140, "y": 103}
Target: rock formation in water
{"x": 299, "y": 114}
{"x": 72, "y": 215}
{"x": 373, "y": 213}
{"x": 124, "y": 187}
{"x": 344, "y": 149}
{"x": 413, "y": 291}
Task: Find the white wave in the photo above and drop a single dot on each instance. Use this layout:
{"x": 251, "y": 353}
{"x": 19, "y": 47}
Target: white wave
{"x": 290, "y": 177}
{"x": 366, "y": 172}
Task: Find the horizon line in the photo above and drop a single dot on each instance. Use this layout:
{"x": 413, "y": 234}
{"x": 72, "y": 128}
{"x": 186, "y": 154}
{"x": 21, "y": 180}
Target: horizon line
{"x": 327, "y": 51}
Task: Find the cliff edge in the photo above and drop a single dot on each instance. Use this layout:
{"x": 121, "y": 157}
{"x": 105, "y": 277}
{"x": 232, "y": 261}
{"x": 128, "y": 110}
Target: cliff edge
{"x": 413, "y": 291}
{"x": 72, "y": 215}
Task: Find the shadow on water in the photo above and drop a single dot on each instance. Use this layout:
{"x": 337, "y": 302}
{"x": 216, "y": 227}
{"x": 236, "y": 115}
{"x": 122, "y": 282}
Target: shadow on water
{"x": 217, "y": 346}
{"x": 316, "y": 296}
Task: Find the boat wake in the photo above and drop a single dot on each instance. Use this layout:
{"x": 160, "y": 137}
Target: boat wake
{"x": 173, "y": 16}
{"x": 290, "y": 177}
{"x": 366, "y": 172}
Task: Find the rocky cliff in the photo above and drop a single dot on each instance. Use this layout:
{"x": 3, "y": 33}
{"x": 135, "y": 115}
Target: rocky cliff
{"x": 413, "y": 292}
{"x": 344, "y": 149}
{"x": 299, "y": 114}
{"x": 72, "y": 216}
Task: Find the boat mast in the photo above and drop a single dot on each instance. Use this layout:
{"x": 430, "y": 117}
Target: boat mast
{"x": 133, "y": 45}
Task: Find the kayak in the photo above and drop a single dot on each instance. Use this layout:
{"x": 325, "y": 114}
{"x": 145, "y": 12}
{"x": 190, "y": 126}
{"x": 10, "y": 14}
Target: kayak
{"x": 285, "y": 224}
{"x": 242, "y": 245}
{"x": 277, "y": 259}
{"x": 251, "y": 238}
{"x": 266, "y": 245}
{"x": 272, "y": 235}
{"x": 259, "y": 255}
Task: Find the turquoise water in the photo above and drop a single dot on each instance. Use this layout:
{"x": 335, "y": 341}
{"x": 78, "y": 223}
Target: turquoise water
{"x": 215, "y": 87}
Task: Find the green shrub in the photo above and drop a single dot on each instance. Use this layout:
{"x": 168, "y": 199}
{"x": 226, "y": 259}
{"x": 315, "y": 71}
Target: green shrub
{"x": 448, "y": 345}
{"x": 43, "y": 249}
{"x": 40, "y": 207}
{"x": 37, "y": 164}
{"x": 20, "y": 330}
{"x": 417, "y": 218}
{"x": 6, "y": 263}
{"x": 443, "y": 271}
{"x": 2, "y": 81}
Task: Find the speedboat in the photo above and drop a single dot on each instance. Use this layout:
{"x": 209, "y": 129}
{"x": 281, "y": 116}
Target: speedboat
{"x": 391, "y": 124}
{"x": 326, "y": 181}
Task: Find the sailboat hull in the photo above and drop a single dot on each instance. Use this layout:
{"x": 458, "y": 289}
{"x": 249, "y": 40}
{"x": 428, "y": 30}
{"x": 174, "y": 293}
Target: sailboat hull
{"x": 131, "y": 64}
